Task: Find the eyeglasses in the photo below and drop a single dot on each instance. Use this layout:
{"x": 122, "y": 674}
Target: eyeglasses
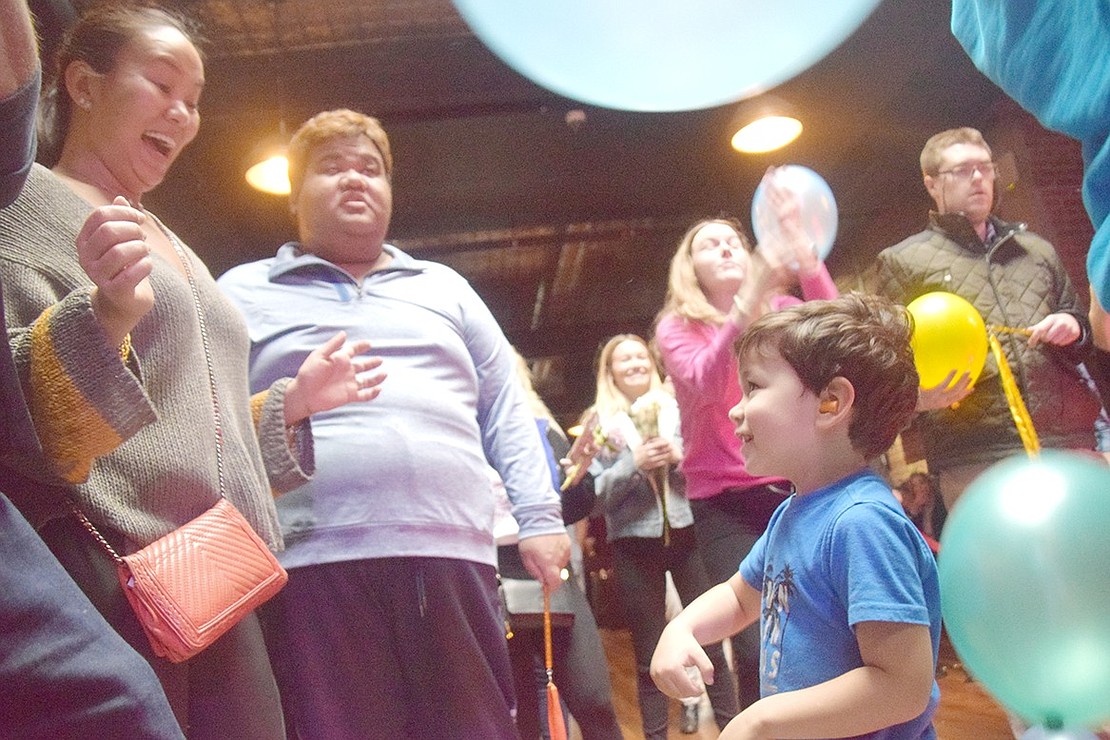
{"x": 967, "y": 170}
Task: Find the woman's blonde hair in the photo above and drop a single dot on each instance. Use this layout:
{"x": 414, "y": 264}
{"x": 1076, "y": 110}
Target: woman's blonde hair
{"x": 685, "y": 296}
{"x": 535, "y": 403}
{"x": 609, "y": 399}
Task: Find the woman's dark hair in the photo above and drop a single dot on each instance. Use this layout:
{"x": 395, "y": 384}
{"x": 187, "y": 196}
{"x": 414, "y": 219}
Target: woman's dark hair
{"x": 96, "y": 39}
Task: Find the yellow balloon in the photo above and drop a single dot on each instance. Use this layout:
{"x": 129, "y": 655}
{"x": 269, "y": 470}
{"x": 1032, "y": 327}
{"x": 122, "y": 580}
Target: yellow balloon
{"x": 949, "y": 334}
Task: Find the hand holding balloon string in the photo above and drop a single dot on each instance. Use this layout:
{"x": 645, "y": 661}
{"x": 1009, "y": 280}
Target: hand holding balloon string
{"x": 947, "y": 345}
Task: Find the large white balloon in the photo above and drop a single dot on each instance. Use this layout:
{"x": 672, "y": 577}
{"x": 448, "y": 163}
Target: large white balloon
{"x": 662, "y": 55}
{"x": 816, "y": 201}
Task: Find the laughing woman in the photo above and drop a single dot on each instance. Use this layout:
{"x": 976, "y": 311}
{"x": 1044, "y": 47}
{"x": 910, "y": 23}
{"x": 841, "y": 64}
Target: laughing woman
{"x": 134, "y": 366}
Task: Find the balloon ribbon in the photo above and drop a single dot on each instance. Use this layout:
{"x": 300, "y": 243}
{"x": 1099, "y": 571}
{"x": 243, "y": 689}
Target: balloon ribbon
{"x": 659, "y": 481}
{"x": 555, "y": 724}
{"x": 1022, "y": 420}
{"x": 1010, "y": 330}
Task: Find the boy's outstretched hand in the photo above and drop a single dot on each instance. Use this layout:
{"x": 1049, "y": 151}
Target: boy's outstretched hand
{"x": 332, "y": 375}
{"x": 680, "y": 666}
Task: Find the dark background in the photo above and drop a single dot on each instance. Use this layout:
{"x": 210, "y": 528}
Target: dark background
{"x": 567, "y": 231}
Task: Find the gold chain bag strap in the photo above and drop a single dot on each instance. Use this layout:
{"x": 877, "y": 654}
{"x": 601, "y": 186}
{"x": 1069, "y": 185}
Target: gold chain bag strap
{"x": 192, "y": 585}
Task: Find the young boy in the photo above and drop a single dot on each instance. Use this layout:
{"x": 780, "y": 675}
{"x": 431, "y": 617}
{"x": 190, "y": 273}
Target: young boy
{"x": 843, "y": 584}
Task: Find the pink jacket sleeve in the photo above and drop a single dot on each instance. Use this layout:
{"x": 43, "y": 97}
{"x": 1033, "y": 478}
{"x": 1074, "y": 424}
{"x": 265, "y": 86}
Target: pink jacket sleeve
{"x": 817, "y": 286}
{"x": 697, "y": 355}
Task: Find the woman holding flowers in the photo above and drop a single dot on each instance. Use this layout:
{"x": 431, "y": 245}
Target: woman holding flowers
{"x": 717, "y": 286}
{"x": 647, "y": 517}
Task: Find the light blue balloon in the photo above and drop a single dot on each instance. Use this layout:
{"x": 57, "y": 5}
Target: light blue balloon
{"x": 816, "y": 202}
{"x": 662, "y": 55}
{"x": 1025, "y": 586}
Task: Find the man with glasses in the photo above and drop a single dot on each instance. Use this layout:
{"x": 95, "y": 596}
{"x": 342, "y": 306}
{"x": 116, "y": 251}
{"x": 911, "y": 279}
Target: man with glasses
{"x": 1018, "y": 283}
{"x": 1053, "y": 58}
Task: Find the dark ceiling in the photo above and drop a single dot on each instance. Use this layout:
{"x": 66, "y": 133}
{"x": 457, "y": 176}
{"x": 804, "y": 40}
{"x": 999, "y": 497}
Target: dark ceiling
{"x": 565, "y": 230}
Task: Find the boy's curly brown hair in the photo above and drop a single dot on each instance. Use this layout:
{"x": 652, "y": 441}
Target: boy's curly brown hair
{"x": 862, "y": 338}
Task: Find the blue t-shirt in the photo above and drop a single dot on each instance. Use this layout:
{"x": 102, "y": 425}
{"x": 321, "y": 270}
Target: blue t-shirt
{"x": 830, "y": 559}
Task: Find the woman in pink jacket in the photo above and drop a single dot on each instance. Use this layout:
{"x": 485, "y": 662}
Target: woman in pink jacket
{"x": 717, "y": 286}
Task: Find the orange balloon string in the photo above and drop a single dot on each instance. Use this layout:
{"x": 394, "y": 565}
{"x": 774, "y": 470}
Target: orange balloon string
{"x": 547, "y": 659}
{"x": 555, "y": 724}
{"x": 1022, "y": 420}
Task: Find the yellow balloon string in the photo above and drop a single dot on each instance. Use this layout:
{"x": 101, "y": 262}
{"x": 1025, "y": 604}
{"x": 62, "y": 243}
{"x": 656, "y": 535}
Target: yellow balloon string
{"x": 1010, "y": 330}
{"x": 1018, "y": 410}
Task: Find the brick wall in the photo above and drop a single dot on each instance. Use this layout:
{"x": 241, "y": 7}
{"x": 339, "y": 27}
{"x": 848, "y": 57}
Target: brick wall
{"x": 1040, "y": 177}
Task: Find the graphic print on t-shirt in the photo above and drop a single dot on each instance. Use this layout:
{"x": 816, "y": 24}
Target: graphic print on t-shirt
{"x": 777, "y": 590}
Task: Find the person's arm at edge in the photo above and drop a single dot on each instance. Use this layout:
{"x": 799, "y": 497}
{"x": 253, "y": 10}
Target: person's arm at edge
{"x": 83, "y": 396}
{"x": 19, "y": 60}
{"x": 513, "y": 446}
{"x": 19, "y": 86}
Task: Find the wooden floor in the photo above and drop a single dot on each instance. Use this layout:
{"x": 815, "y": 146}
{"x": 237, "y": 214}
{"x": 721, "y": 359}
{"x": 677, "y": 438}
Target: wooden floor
{"x": 966, "y": 711}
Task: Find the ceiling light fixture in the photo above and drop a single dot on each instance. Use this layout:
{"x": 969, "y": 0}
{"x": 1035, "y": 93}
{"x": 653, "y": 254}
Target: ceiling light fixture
{"x": 766, "y": 134}
{"x": 270, "y": 171}
{"x": 764, "y": 125}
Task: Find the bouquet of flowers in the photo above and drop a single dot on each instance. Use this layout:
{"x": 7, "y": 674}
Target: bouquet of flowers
{"x": 644, "y": 413}
{"x": 589, "y": 442}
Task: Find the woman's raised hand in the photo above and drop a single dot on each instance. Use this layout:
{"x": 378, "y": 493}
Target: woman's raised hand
{"x": 786, "y": 243}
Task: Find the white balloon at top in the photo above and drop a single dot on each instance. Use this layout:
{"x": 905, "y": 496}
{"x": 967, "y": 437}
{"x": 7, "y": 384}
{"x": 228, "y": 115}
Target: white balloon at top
{"x": 662, "y": 55}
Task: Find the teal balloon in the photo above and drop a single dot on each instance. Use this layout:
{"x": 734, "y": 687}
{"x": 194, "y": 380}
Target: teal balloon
{"x": 662, "y": 55}
{"x": 1025, "y": 586}
{"x": 1064, "y": 733}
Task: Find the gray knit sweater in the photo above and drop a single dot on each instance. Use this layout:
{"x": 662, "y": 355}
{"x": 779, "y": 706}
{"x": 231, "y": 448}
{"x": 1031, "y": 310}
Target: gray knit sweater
{"x": 156, "y": 411}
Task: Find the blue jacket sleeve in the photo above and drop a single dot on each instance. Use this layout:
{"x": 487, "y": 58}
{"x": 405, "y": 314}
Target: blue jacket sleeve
{"x": 1054, "y": 59}
{"x": 17, "y": 138}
